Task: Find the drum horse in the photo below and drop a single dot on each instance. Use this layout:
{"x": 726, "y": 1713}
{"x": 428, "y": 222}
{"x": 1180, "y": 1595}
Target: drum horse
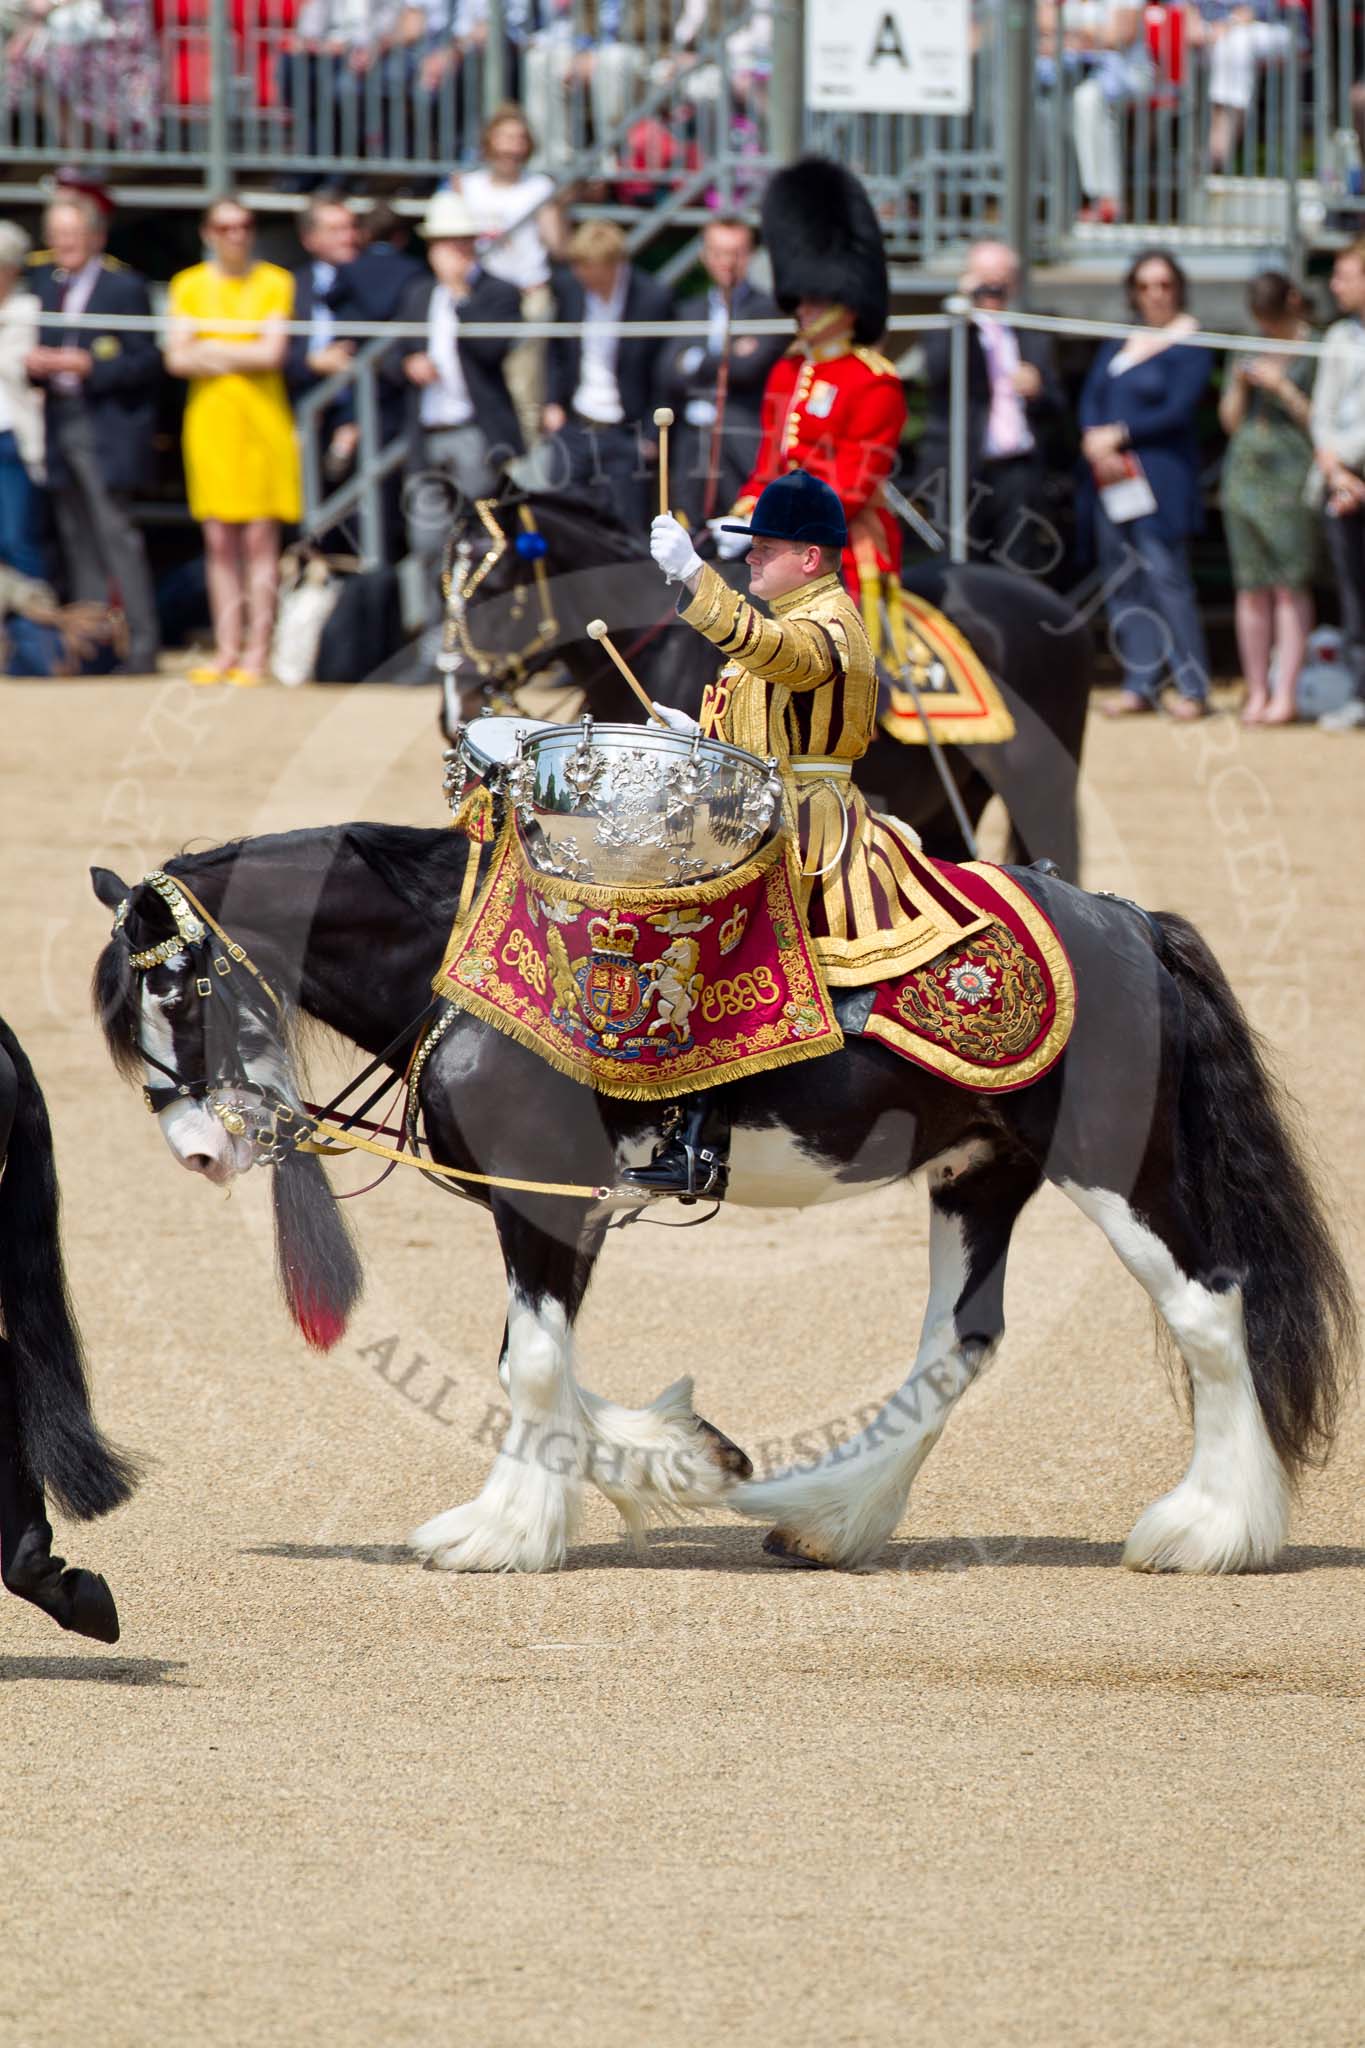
{"x": 1159, "y": 1120}
{"x": 48, "y": 1437}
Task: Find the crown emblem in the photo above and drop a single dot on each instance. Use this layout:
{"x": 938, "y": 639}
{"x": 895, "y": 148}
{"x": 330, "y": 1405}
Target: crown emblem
{"x": 613, "y": 935}
{"x": 732, "y": 931}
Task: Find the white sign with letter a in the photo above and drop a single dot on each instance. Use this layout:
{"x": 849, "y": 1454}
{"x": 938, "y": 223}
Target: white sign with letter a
{"x": 889, "y": 56}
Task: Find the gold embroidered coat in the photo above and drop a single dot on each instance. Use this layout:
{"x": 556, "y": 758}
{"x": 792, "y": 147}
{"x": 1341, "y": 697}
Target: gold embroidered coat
{"x": 802, "y": 687}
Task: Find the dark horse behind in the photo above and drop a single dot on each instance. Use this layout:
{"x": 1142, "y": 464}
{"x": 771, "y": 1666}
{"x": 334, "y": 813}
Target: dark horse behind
{"x": 48, "y": 1438}
{"x": 1160, "y": 1123}
{"x": 537, "y": 568}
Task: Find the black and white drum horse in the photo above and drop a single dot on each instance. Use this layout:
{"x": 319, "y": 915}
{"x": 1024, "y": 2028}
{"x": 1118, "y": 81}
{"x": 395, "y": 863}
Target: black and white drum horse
{"x": 1161, "y": 1123}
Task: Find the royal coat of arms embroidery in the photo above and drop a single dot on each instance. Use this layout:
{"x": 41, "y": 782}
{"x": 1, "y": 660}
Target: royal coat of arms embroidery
{"x": 645, "y": 992}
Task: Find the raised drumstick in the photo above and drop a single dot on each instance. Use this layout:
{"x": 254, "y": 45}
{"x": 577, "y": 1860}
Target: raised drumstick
{"x": 663, "y": 420}
{"x": 597, "y": 630}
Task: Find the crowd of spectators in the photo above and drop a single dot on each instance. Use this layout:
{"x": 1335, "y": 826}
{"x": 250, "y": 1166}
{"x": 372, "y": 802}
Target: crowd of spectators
{"x": 626, "y": 88}
{"x": 1117, "y": 58}
{"x": 78, "y": 412}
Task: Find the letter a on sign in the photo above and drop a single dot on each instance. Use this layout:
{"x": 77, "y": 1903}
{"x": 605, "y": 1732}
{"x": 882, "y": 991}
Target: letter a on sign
{"x": 889, "y": 56}
{"x": 888, "y": 44}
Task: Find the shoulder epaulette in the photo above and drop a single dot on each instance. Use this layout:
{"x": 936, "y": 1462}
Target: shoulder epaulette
{"x": 108, "y": 262}
{"x": 882, "y": 365}
{"x": 38, "y": 256}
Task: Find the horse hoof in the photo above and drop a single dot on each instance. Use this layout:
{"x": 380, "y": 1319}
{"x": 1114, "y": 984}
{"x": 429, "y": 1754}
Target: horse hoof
{"x": 792, "y": 1550}
{"x": 723, "y": 1452}
{"x": 86, "y": 1607}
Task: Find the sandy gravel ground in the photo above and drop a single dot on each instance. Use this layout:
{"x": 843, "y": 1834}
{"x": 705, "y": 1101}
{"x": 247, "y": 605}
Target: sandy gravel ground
{"x": 997, "y": 1792}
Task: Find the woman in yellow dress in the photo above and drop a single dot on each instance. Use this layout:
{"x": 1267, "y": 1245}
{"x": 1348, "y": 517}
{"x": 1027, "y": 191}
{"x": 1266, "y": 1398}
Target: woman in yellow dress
{"x": 241, "y": 456}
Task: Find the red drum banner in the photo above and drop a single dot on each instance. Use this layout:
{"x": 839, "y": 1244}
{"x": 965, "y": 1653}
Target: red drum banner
{"x": 644, "y": 993}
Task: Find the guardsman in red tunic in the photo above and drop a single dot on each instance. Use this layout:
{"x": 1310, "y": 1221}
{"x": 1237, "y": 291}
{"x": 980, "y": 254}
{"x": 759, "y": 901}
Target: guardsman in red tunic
{"x": 833, "y": 406}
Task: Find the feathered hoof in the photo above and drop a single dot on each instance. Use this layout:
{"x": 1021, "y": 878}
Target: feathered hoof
{"x": 475, "y": 1538}
{"x": 797, "y": 1550}
{"x": 1190, "y": 1530}
{"x": 724, "y": 1452}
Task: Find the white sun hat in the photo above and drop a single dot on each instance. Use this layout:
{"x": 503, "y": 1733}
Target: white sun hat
{"x": 448, "y": 218}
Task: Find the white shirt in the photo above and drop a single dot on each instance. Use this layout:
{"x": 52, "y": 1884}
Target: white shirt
{"x": 21, "y": 403}
{"x": 598, "y": 396}
{"x": 324, "y": 326}
{"x": 446, "y": 403}
{"x": 701, "y": 412}
{"x": 509, "y": 212}
{"x": 1007, "y": 428}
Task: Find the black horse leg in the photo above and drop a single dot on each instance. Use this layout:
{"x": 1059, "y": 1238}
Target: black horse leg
{"x": 843, "y": 1512}
{"x": 78, "y": 1600}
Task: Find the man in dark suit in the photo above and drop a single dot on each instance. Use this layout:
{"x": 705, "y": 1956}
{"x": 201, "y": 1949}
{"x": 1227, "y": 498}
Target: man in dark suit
{"x": 101, "y": 417}
{"x": 1014, "y": 404}
{"x": 601, "y": 391}
{"x": 460, "y": 421}
{"x": 693, "y": 380}
{"x": 371, "y": 286}
{"x": 330, "y": 241}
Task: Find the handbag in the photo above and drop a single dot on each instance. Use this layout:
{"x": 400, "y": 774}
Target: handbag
{"x": 310, "y": 584}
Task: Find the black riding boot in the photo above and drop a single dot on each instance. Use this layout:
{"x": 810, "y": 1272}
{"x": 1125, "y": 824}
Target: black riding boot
{"x": 693, "y": 1160}
{"x": 75, "y": 1598}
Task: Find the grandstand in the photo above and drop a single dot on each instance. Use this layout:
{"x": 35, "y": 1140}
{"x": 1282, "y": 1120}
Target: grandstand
{"x": 660, "y": 115}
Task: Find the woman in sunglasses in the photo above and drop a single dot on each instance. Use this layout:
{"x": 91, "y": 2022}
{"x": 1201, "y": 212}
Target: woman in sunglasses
{"x": 1137, "y": 416}
{"x": 241, "y": 457}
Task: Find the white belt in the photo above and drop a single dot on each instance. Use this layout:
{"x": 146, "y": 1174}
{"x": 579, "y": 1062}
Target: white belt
{"x": 821, "y": 764}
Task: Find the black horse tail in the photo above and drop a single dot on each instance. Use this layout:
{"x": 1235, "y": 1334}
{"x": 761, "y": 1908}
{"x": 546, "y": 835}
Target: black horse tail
{"x": 59, "y": 1442}
{"x": 315, "y": 1254}
{"x": 1247, "y": 1184}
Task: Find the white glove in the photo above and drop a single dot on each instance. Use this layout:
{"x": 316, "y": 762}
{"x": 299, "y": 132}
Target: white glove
{"x": 729, "y": 546}
{"x": 671, "y": 546}
{"x": 676, "y": 721}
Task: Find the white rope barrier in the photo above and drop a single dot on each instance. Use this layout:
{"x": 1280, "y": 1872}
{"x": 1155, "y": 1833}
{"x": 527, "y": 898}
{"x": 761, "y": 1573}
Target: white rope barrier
{"x": 664, "y": 330}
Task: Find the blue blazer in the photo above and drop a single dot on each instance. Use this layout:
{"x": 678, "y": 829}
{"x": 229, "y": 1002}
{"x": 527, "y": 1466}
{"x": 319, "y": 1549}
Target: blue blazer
{"x": 1158, "y": 402}
{"x": 120, "y": 394}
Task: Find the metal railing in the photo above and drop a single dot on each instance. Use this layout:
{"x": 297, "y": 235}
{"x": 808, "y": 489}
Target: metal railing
{"x": 1204, "y": 129}
{"x": 682, "y": 109}
{"x": 313, "y": 89}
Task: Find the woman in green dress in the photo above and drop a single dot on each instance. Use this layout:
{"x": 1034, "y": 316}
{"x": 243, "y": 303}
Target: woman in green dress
{"x": 1272, "y": 533}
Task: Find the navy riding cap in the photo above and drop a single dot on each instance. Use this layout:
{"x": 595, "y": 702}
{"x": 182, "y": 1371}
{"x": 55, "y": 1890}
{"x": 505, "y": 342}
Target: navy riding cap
{"x": 797, "y": 507}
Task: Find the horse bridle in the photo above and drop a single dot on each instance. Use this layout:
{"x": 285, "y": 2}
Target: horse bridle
{"x": 460, "y": 582}
{"x": 277, "y": 1128}
{"x": 498, "y": 668}
{"x": 274, "y": 1125}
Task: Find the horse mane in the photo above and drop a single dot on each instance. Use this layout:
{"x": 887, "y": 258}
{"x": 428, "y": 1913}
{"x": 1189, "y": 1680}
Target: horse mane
{"x": 573, "y": 509}
{"x": 421, "y": 866}
{"x": 113, "y": 997}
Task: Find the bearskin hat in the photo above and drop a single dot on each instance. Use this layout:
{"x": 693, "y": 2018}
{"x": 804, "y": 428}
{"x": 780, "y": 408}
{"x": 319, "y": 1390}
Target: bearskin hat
{"x": 826, "y": 243}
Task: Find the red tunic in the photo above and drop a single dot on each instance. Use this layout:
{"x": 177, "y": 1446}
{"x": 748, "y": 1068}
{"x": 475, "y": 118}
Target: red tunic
{"x": 841, "y": 419}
